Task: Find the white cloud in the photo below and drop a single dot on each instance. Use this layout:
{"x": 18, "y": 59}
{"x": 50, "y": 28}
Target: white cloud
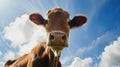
{"x": 66, "y": 59}
{"x": 24, "y": 34}
{"x": 81, "y": 62}
{"x": 9, "y": 55}
{"x": 18, "y": 32}
{"x": 1, "y": 64}
{"x": 111, "y": 55}
{"x": 37, "y": 37}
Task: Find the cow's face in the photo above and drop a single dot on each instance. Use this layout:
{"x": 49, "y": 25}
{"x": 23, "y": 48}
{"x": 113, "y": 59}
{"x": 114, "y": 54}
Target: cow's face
{"x": 58, "y": 26}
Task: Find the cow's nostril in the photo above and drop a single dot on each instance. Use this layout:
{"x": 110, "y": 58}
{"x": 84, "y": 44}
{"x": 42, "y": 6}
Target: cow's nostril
{"x": 64, "y": 37}
{"x": 51, "y": 37}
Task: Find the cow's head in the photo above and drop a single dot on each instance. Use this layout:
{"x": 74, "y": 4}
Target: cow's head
{"x": 58, "y": 25}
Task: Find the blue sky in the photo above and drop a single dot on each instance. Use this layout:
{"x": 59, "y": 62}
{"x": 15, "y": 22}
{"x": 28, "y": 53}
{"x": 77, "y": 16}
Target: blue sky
{"x": 89, "y": 45}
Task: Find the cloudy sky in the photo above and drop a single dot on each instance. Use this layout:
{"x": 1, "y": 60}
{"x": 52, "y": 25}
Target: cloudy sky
{"x": 96, "y": 44}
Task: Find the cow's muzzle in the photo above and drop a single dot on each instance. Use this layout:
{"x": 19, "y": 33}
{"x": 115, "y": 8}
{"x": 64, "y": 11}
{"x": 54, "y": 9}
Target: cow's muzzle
{"x": 57, "y": 40}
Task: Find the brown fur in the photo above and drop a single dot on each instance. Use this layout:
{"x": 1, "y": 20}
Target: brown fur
{"x": 42, "y": 55}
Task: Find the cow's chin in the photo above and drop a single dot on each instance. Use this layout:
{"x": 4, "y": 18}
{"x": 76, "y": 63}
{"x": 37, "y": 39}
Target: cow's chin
{"x": 57, "y": 47}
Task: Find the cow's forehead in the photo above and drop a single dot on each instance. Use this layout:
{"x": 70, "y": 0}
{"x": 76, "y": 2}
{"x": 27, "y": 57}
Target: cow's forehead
{"x": 57, "y": 12}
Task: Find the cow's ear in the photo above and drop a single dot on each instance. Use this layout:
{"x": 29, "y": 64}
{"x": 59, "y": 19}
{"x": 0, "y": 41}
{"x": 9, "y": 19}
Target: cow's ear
{"x": 77, "y": 21}
{"x": 37, "y": 19}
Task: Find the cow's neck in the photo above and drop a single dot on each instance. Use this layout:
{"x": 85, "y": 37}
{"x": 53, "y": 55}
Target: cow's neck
{"x": 54, "y": 60}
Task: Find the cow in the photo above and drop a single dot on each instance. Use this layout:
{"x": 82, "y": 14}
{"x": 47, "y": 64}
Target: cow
{"x": 46, "y": 54}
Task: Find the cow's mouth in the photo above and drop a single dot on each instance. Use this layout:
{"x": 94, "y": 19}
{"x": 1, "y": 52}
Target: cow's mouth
{"x": 57, "y": 40}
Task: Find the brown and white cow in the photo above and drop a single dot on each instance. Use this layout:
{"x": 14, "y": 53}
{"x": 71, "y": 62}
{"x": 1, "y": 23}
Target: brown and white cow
{"x": 46, "y": 54}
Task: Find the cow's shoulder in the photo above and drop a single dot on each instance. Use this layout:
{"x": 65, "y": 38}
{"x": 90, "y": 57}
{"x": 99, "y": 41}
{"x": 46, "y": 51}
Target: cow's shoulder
{"x": 21, "y": 61}
{"x": 38, "y": 50}
{"x": 40, "y": 56}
